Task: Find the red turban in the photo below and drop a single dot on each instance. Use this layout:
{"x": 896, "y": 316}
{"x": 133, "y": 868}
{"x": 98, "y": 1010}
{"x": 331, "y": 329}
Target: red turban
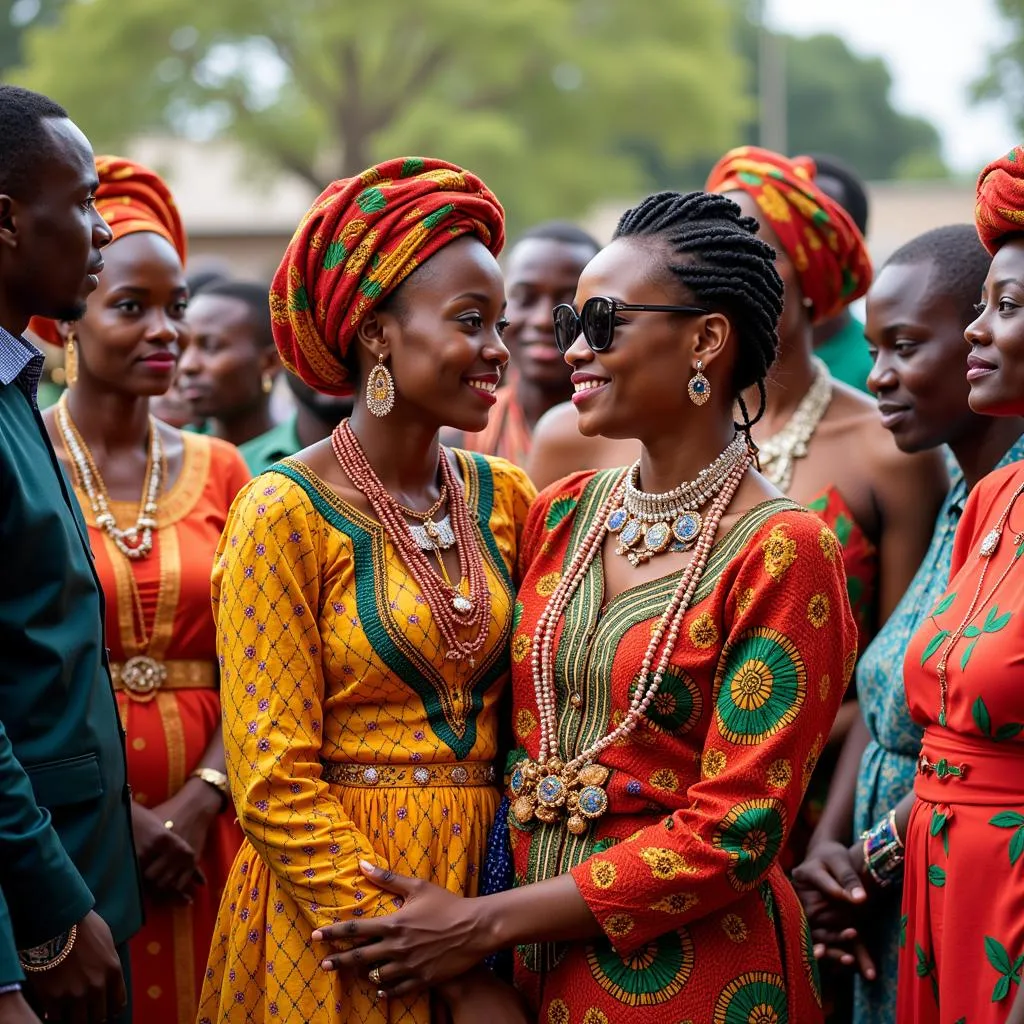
{"x": 1000, "y": 207}
{"x": 130, "y": 198}
{"x": 818, "y": 235}
{"x": 359, "y": 240}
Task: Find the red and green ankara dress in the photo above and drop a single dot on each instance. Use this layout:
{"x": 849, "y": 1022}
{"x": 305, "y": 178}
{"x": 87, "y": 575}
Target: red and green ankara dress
{"x": 682, "y": 872}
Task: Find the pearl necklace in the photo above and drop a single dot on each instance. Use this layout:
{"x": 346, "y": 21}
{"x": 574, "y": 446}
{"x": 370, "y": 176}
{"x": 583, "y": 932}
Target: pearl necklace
{"x": 648, "y": 524}
{"x": 548, "y": 788}
{"x": 778, "y": 454}
{"x": 136, "y": 541}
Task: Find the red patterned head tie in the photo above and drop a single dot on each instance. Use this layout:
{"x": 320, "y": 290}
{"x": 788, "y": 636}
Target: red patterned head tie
{"x": 130, "y": 198}
{"x": 359, "y": 240}
{"x": 999, "y": 211}
{"x": 818, "y": 235}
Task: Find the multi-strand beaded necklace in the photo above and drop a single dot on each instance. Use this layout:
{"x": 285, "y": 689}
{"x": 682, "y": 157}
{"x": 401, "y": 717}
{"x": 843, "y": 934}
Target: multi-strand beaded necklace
{"x": 463, "y": 619}
{"x": 136, "y": 541}
{"x": 548, "y": 789}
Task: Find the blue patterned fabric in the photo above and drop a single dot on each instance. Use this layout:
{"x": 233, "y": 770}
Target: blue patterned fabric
{"x": 20, "y": 362}
{"x": 888, "y": 765}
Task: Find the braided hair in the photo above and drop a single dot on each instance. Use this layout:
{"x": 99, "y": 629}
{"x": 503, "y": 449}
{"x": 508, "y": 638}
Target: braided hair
{"x": 717, "y": 257}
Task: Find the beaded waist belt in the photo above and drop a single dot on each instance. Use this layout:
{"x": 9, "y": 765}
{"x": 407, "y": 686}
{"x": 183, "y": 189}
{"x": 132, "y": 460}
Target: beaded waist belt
{"x": 142, "y": 677}
{"x": 395, "y": 776}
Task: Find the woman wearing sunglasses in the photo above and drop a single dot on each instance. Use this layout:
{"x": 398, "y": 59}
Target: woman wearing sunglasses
{"x": 683, "y": 638}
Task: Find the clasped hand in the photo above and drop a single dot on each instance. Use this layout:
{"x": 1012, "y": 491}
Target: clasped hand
{"x": 830, "y": 886}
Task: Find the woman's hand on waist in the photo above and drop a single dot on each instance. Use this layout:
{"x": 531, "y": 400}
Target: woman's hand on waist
{"x": 435, "y": 936}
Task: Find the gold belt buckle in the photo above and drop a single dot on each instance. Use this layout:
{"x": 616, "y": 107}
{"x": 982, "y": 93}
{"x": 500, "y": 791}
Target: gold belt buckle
{"x": 142, "y": 676}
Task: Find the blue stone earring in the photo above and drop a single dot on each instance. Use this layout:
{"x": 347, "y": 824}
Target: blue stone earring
{"x": 699, "y": 387}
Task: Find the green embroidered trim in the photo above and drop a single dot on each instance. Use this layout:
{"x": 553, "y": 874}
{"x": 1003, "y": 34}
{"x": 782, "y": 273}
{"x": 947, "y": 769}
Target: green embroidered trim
{"x": 457, "y": 730}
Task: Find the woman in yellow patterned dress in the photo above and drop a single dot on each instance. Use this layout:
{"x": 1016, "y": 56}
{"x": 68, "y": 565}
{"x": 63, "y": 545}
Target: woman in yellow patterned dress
{"x": 364, "y": 596}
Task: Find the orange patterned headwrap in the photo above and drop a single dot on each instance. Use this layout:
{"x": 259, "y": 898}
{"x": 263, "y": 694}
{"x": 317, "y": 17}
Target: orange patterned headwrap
{"x": 1000, "y": 207}
{"x": 130, "y": 198}
{"x": 818, "y": 235}
{"x": 359, "y": 240}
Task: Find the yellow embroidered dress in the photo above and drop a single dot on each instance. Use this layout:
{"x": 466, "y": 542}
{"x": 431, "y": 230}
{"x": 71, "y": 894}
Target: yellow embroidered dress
{"x": 332, "y": 669}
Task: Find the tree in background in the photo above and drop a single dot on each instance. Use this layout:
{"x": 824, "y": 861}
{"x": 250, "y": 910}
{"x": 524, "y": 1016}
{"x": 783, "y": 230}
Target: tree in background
{"x": 16, "y": 16}
{"x": 837, "y": 102}
{"x": 1004, "y": 80}
{"x": 534, "y": 95}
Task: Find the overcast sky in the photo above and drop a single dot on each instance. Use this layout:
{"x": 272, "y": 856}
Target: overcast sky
{"x": 934, "y": 49}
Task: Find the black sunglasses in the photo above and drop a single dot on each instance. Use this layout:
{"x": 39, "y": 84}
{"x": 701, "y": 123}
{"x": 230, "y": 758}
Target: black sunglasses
{"x": 597, "y": 321}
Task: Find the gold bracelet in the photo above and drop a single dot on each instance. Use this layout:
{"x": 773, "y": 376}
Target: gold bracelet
{"x": 56, "y": 961}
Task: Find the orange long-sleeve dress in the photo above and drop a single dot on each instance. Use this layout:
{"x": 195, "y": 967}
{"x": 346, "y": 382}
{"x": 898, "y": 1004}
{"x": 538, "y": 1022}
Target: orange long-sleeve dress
{"x": 168, "y": 729}
{"x": 682, "y": 873}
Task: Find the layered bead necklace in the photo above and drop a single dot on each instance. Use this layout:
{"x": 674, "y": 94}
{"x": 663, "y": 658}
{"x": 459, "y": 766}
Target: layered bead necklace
{"x": 648, "y": 524}
{"x": 136, "y": 541}
{"x": 453, "y": 610}
{"x": 778, "y": 454}
{"x": 548, "y": 789}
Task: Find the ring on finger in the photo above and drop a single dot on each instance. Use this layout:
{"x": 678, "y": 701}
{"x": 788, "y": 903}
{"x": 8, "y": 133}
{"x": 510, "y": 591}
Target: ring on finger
{"x": 375, "y": 976}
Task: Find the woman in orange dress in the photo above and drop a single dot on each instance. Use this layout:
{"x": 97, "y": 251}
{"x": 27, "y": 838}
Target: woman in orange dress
{"x": 155, "y": 501}
{"x": 680, "y": 653}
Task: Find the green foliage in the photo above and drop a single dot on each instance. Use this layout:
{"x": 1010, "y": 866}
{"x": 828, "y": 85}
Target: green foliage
{"x": 1003, "y": 80}
{"x": 16, "y": 16}
{"x": 838, "y": 103}
{"x": 547, "y": 99}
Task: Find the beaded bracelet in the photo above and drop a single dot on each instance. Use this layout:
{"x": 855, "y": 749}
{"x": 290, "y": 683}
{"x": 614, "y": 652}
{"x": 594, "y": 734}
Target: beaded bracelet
{"x": 49, "y": 955}
{"x": 883, "y": 852}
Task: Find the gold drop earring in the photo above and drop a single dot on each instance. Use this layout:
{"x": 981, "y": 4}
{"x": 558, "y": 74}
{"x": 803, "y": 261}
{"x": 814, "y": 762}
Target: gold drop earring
{"x": 70, "y": 361}
{"x": 699, "y": 388}
{"x": 267, "y": 383}
{"x": 380, "y": 389}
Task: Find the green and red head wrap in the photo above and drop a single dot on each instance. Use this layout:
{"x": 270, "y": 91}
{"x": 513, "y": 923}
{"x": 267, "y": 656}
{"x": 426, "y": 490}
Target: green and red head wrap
{"x": 999, "y": 210}
{"x": 360, "y": 239}
{"x": 819, "y": 237}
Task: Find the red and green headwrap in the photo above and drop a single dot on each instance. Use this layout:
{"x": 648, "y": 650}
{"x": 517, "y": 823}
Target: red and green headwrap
{"x": 1000, "y": 207}
{"x": 360, "y": 239}
{"x": 818, "y": 235}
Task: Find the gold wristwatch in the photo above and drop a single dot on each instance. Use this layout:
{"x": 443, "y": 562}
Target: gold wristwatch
{"x": 217, "y": 779}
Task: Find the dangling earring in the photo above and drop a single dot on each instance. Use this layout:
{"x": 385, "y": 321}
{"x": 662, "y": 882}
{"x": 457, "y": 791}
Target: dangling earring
{"x": 267, "y": 383}
{"x": 699, "y": 387}
{"x": 380, "y": 389}
{"x": 70, "y": 361}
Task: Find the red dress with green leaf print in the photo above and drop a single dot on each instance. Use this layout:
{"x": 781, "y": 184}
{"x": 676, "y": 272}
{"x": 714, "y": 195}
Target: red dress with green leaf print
{"x": 962, "y": 940}
{"x": 682, "y": 872}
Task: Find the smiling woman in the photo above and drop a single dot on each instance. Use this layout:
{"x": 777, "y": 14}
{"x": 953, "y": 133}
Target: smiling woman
{"x": 365, "y": 593}
{"x": 155, "y": 501}
{"x": 682, "y": 640}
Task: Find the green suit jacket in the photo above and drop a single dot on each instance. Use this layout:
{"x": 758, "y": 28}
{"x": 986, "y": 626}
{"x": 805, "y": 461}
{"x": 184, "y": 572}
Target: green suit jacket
{"x": 10, "y": 968}
{"x": 65, "y": 812}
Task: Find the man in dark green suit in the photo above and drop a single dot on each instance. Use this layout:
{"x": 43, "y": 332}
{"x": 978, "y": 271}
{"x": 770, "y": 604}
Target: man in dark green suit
{"x": 13, "y": 1008}
{"x": 67, "y": 862}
